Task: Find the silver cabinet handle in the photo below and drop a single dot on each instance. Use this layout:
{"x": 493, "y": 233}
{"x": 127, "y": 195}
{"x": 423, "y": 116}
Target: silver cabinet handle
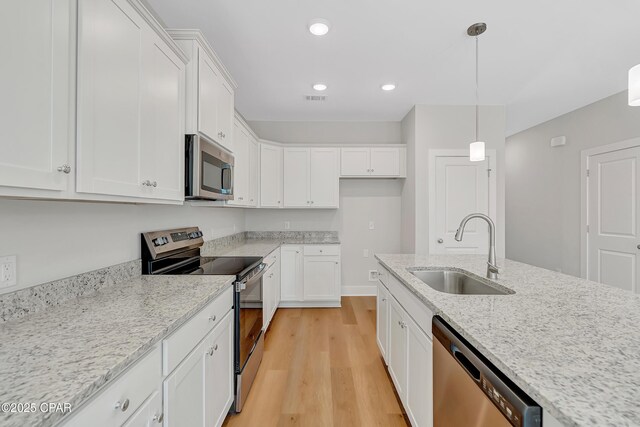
{"x": 212, "y": 318}
{"x": 638, "y": 246}
{"x": 64, "y": 168}
{"x": 320, "y": 250}
{"x": 211, "y": 351}
{"x": 220, "y": 134}
{"x": 123, "y": 406}
{"x": 297, "y": 252}
{"x": 278, "y": 201}
{"x": 312, "y": 202}
{"x": 154, "y": 184}
{"x": 215, "y": 347}
{"x": 384, "y": 299}
{"x": 158, "y": 418}
{"x": 441, "y": 241}
{"x": 146, "y": 183}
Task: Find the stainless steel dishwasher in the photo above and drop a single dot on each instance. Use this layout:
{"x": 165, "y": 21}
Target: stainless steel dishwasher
{"x": 469, "y": 391}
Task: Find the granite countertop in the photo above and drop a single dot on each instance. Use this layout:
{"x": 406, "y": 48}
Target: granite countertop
{"x": 263, "y": 243}
{"x": 571, "y": 344}
{"x": 67, "y": 352}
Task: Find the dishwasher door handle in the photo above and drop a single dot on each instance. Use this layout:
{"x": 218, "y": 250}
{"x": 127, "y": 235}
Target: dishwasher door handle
{"x": 465, "y": 363}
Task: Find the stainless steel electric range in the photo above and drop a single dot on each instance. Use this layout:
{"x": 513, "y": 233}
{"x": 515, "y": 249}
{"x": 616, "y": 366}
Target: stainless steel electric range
{"x": 178, "y": 252}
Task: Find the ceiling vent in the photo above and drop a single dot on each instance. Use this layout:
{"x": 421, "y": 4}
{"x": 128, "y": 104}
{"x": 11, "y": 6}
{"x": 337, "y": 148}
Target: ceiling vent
{"x": 316, "y": 97}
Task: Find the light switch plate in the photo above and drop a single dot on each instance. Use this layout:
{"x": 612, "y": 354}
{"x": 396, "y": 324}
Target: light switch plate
{"x": 365, "y": 253}
{"x": 287, "y": 225}
{"x": 8, "y": 275}
{"x": 373, "y": 275}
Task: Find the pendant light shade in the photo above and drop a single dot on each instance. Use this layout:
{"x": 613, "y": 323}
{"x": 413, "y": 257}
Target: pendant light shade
{"x": 476, "y": 151}
{"x": 634, "y": 86}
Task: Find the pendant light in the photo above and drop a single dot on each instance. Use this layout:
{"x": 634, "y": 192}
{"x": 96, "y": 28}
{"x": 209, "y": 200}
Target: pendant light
{"x": 476, "y": 148}
{"x": 634, "y": 86}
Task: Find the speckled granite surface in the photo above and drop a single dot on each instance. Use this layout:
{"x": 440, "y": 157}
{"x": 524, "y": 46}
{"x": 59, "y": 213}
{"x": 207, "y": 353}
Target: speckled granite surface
{"x": 67, "y": 352}
{"x": 262, "y": 243}
{"x": 571, "y": 344}
{"x": 18, "y": 304}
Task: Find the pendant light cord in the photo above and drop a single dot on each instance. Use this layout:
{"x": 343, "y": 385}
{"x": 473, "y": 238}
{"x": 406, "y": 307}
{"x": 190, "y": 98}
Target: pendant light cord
{"x": 477, "y": 84}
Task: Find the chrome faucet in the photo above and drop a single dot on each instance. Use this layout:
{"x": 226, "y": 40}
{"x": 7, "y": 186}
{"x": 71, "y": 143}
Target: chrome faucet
{"x": 492, "y": 266}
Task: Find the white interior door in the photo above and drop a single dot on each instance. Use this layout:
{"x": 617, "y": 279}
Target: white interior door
{"x": 461, "y": 187}
{"x": 613, "y": 209}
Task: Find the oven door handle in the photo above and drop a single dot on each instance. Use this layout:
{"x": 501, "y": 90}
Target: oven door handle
{"x": 242, "y": 285}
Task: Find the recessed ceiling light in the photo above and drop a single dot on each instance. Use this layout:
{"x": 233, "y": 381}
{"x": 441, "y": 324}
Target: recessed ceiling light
{"x": 319, "y": 87}
{"x": 388, "y": 86}
{"x": 319, "y": 27}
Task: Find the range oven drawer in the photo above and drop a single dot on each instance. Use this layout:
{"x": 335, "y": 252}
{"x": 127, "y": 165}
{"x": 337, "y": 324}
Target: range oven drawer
{"x": 176, "y": 347}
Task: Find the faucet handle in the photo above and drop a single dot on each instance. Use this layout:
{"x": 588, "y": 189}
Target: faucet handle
{"x": 493, "y": 268}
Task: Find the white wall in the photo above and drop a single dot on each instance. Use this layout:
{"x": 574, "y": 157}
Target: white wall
{"x": 409, "y": 189}
{"x": 54, "y": 240}
{"x": 447, "y": 127}
{"x": 361, "y": 200}
{"x": 543, "y": 183}
{"x": 329, "y": 132}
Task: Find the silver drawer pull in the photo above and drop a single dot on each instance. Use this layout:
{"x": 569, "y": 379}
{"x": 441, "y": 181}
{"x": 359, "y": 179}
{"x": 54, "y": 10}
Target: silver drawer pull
{"x": 215, "y": 347}
{"x": 123, "y": 406}
{"x": 210, "y": 351}
{"x": 158, "y": 418}
{"x": 64, "y": 168}
{"x": 213, "y": 318}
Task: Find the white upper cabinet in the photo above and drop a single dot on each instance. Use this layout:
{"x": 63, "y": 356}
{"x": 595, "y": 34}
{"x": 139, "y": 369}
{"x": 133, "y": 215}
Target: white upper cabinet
{"x": 378, "y": 162}
{"x": 246, "y": 164}
{"x": 130, "y": 105}
{"x": 311, "y": 177}
{"x": 296, "y": 178}
{"x": 36, "y": 107}
{"x": 210, "y": 90}
{"x": 270, "y": 176}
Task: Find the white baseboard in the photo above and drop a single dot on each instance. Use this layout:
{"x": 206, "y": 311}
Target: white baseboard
{"x": 359, "y": 291}
{"x": 309, "y": 304}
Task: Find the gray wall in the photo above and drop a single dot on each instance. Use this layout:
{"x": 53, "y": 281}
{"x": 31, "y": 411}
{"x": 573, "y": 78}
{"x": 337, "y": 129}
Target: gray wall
{"x": 361, "y": 200}
{"x": 54, "y": 240}
{"x": 543, "y": 183}
{"x": 429, "y": 127}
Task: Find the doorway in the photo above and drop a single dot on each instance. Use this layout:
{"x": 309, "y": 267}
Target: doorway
{"x": 611, "y": 214}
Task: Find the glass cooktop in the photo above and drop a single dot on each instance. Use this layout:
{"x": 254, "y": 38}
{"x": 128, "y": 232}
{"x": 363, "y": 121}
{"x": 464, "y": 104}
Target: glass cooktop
{"x": 226, "y": 265}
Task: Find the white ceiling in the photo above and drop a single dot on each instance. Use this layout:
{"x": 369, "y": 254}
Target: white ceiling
{"x": 541, "y": 58}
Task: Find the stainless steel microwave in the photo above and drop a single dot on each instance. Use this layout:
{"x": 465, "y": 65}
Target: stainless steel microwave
{"x": 208, "y": 169}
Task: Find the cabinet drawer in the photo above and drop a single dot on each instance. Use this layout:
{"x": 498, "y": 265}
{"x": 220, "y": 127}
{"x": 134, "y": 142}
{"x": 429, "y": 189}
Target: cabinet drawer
{"x": 181, "y": 342}
{"x": 319, "y": 250}
{"x": 124, "y": 396}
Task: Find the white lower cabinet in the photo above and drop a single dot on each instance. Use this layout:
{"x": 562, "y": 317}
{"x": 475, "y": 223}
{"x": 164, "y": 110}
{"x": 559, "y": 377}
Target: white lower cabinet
{"x": 149, "y": 414}
{"x": 271, "y": 287}
{"x": 200, "y": 391}
{"x": 382, "y": 321}
{"x": 310, "y": 276}
{"x": 407, "y": 350}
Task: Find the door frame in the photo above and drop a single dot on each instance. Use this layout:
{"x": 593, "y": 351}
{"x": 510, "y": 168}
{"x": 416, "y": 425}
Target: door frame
{"x": 491, "y": 155}
{"x": 585, "y": 155}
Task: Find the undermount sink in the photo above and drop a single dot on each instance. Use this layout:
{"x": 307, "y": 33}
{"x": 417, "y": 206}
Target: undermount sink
{"x": 455, "y": 282}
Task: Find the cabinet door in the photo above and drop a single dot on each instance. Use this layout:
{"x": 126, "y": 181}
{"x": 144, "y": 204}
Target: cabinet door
{"x": 254, "y": 169}
{"x": 109, "y": 98}
{"x": 219, "y": 375}
{"x": 324, "y": 178}
{"x": 184, "y": 398}
{"x": 382, "y": 321}
{"x": 321, "y": 278}
{"x": 419, "y": 402}
{"x": 240, "y": 167}
{"x": 291, "y": 273}
{"x": 277, "y": 278}
{"x": 38, "y": 59}
{"x": 162, "y": 129}
{"x": 296, "y": 178}
{"x": 270, "y": 176}
{"x": 268, "y": 295}
{"x": 385, "y": 161}
{"x": 354, "y": 161}
{"x": 149, "y": 414}
{"x": 225, "y": 114}
{"x": 398, "y": 348}
{"x": 208, "y": 86}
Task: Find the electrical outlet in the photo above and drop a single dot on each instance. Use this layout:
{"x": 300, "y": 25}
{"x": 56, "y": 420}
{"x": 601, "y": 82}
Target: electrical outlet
{"x": 365, "y": 253}
{"x": 287, "y": 225}
{"x": 373, "y": 275}
{"x": 8, "y": 271}
{"x": 372, "y": 225}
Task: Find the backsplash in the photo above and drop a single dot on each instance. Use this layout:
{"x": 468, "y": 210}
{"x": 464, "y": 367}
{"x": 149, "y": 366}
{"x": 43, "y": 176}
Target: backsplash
{"x": 20, "y": 303}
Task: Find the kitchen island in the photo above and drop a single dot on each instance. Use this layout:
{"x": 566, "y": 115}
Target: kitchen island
{"x": 571, "y": 344}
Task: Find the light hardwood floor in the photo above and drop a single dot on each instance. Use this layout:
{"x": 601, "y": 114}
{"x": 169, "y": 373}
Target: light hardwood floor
{"x": 322, "y": 367}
